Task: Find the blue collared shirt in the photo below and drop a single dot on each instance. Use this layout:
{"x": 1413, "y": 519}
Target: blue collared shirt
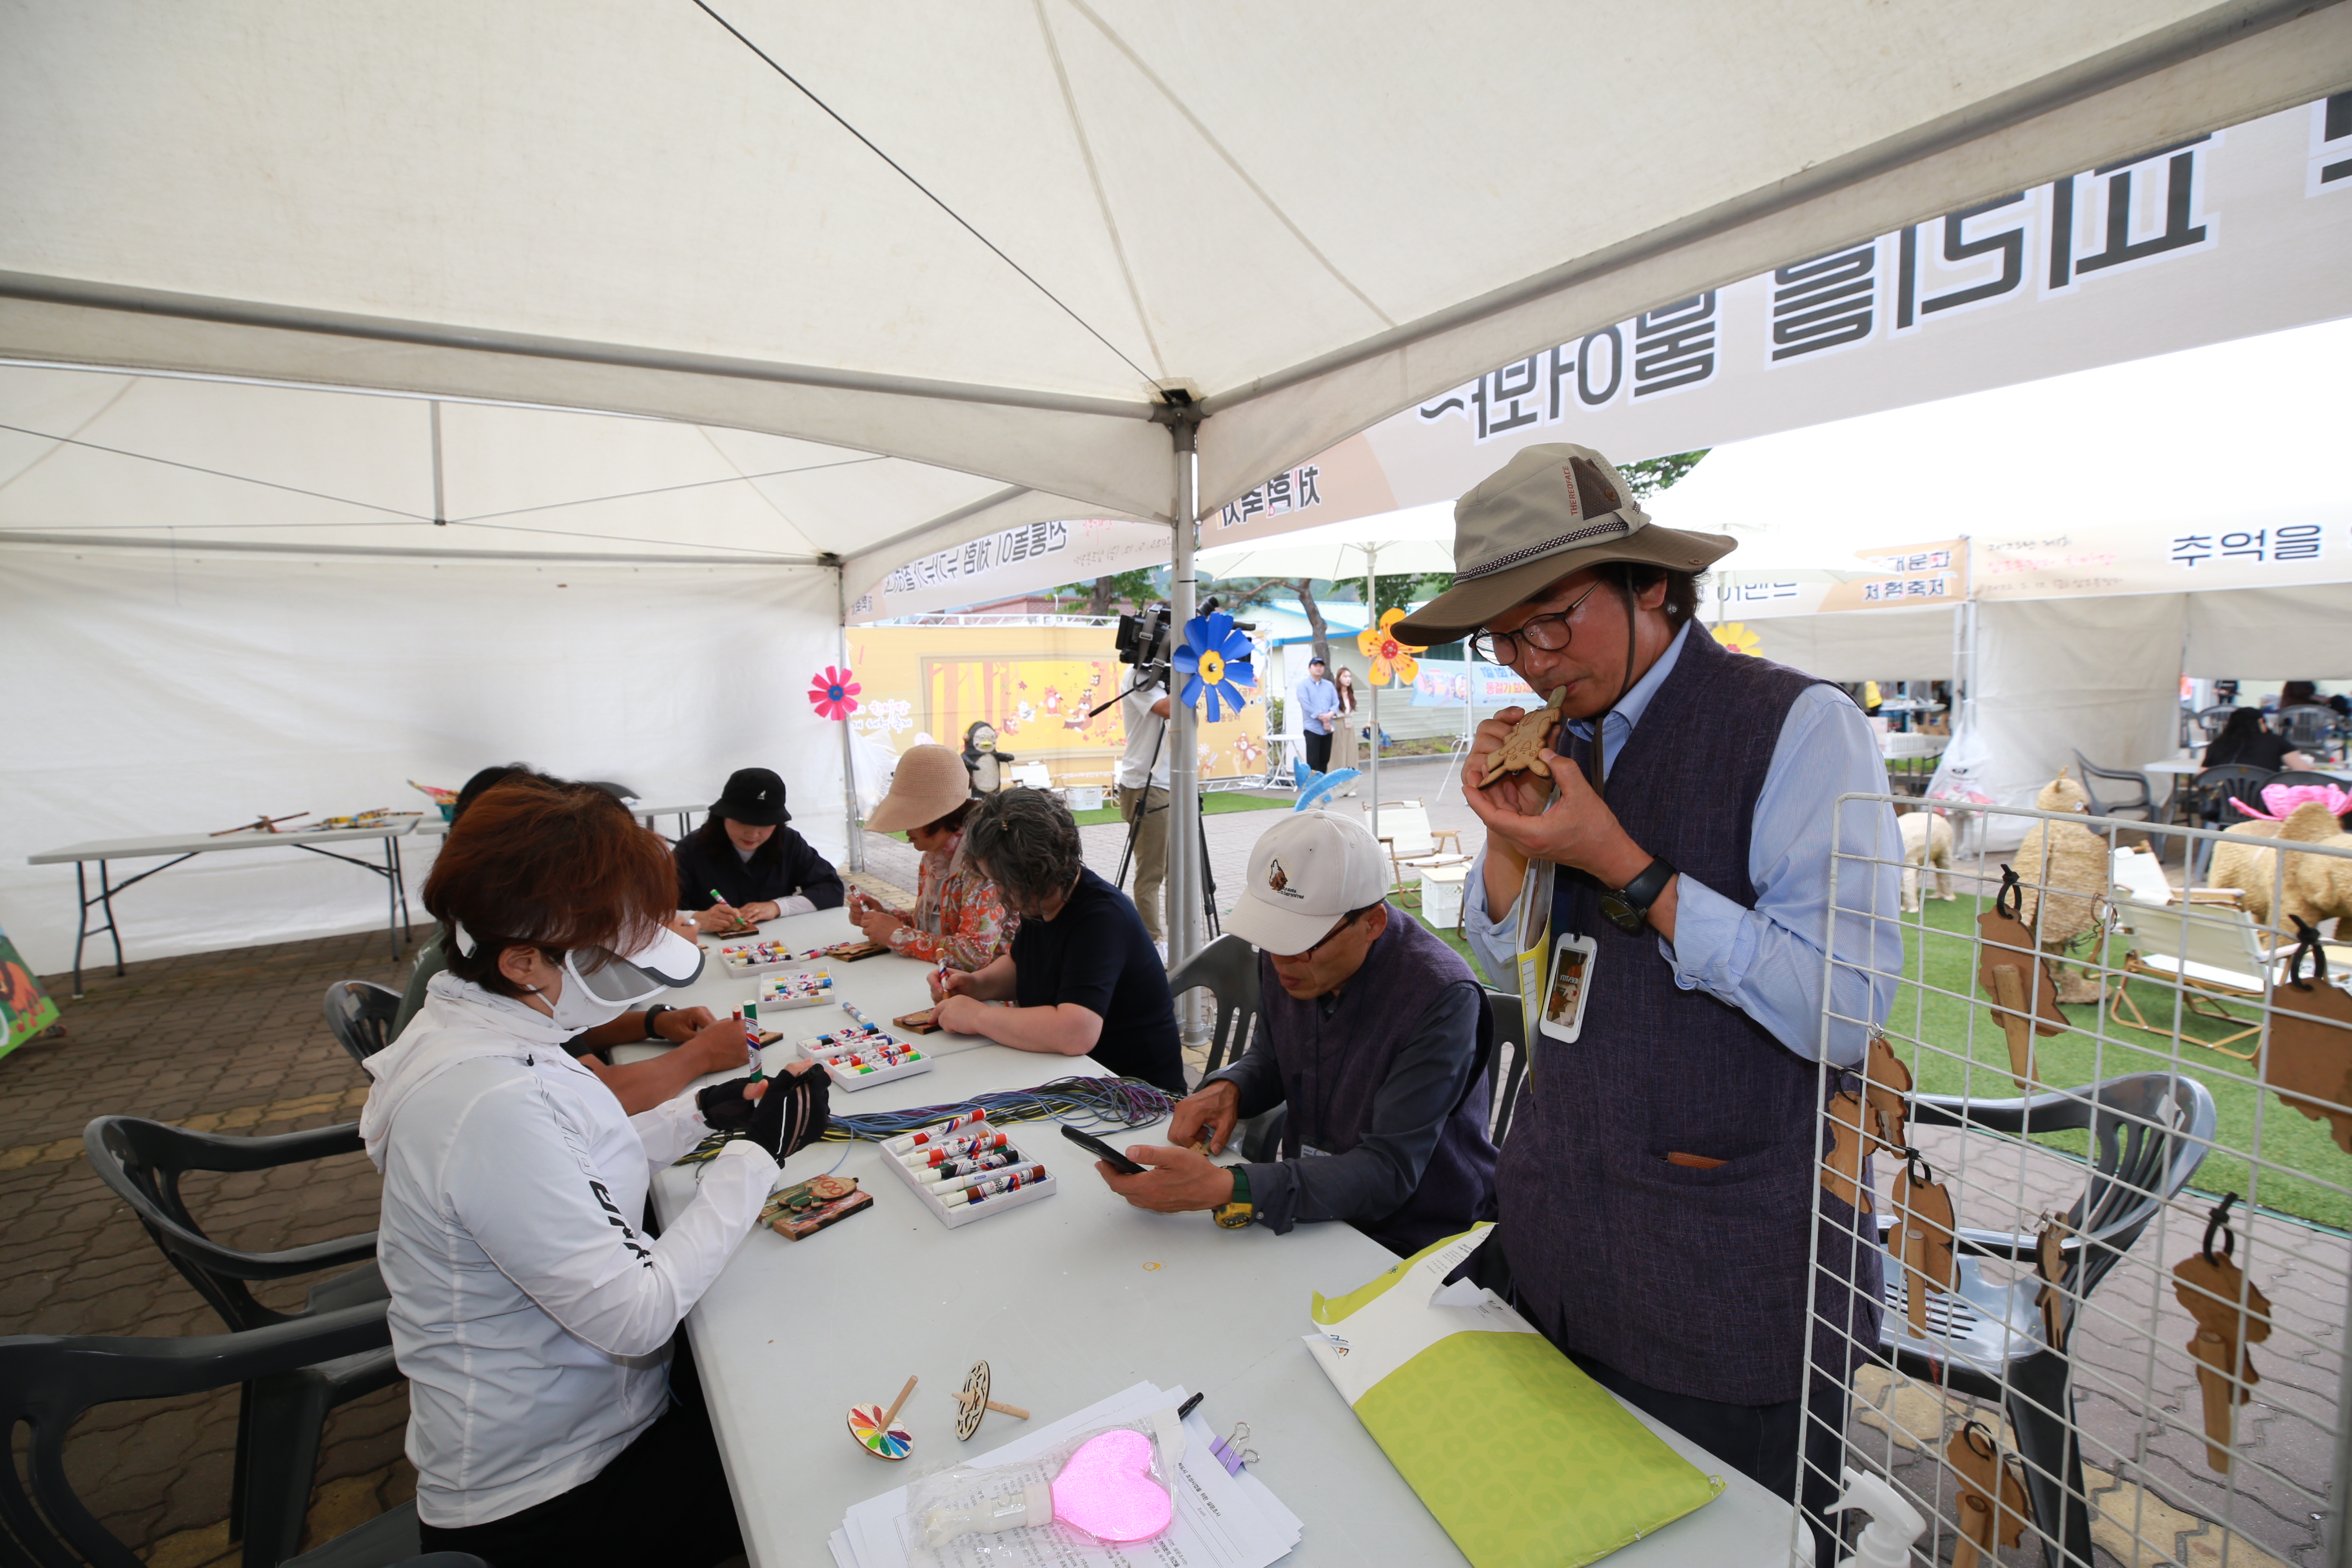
{"x": 1767, "y": 960}
{"x": 1314, "y": 696}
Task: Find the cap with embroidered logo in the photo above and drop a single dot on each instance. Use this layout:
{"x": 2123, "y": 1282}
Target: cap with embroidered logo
{"x": 753, "y": 796}
{"x": 1552, "y": 509}
{"x": 1306, "y": 873}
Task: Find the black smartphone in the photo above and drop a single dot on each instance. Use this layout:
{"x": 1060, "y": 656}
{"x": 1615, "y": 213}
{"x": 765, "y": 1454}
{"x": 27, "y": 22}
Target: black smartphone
{"x": 1102, "y": 1151}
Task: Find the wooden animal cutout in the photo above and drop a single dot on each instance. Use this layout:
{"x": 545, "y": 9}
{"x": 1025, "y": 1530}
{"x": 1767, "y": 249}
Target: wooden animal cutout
{"x": 2016, "y": 975}
{"x": 1993, "y": 1503}
{"x": 2308, "y": 1060}
{"x": 1922, "y": 1237}
{"x": 2209, "y": 1286}
{"x": 1842, "y": 1158}
{"x": 2050, "y": 1262}
{"x": 1520, "y": 747}
{"x": 1887, "y": 1083}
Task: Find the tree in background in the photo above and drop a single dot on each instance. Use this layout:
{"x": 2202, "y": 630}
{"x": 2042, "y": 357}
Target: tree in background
{"x": 1105, "y": 595}
{"x": 1238, "y": 593}
{"x": 1651, "y": 475}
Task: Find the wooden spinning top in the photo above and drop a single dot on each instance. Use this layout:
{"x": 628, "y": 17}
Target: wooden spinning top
{"x": 877, "y": 1431}
{"x": 974, "y": 1399}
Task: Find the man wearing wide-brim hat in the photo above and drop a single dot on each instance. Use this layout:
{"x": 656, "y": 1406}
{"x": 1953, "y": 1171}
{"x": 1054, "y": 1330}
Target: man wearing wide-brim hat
{"x": 1657, "y": 1183}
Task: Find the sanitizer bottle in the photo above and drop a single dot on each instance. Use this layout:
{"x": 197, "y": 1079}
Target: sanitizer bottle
{"x": 1894, "y": 1524}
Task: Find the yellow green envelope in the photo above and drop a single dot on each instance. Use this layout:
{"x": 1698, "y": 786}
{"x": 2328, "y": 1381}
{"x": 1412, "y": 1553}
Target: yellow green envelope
{"x": 1526, "y": 1462}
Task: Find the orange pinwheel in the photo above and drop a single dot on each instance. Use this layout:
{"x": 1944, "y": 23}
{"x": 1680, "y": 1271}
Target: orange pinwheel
{"x": 1735, "y": 636}
{"x": 1392, "y": 659}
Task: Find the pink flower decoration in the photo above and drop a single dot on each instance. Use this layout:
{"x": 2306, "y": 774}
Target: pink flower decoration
{"x": 833, "y": 693}
{"x": 2282, "y": 799}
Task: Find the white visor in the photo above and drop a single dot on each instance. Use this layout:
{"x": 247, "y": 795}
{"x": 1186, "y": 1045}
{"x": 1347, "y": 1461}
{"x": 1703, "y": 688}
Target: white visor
{"x": 664, "y": 962}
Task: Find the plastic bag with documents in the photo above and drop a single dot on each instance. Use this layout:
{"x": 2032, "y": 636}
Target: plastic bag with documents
{"x": 1524, "y": 1460}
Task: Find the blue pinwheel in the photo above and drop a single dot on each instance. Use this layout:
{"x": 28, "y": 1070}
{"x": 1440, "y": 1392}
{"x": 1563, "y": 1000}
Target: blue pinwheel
{"x": 1217, "y": 657}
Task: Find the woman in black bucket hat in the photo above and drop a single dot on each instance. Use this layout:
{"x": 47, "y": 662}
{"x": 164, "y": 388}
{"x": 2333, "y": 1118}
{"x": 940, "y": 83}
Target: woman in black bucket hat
{"x": 743, "y": 860}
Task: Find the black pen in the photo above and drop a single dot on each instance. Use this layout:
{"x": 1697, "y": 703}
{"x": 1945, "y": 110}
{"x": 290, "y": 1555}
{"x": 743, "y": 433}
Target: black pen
{"x": 1186, "y": 1408}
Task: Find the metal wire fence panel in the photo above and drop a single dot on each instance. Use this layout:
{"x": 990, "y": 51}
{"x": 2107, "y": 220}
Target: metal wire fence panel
{"x": 2108, "y": 1129}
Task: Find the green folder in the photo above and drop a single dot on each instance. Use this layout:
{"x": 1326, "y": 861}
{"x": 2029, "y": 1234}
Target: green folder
{"x": 1526, "y": 1462}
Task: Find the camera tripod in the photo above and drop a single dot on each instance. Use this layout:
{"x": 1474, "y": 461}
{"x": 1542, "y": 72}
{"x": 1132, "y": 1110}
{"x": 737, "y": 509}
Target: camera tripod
{"x": 1135, "y": 824}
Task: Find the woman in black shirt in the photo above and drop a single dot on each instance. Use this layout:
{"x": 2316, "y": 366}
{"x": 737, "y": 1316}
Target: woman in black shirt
{"x": 755, "y": 866}
{"x": 2244, "y": 742}
{"x": 1083, "y": 977}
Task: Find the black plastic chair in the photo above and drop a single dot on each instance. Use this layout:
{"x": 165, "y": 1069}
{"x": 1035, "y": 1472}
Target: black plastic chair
{"x": 1511, "y": 1032}
{"x": 2212, "y": 721}
{"x": 2126, "y": 793}
{"x": 1985, "y": 1339}
{"x": 2208, "y": 799}
{"x": 360, "y": 1013}
{"x": 143, "y": 1162}
{"x": 2306, "y": 725}
{"x": 47, "y": 1381}
{"x": 1227, "y": 969}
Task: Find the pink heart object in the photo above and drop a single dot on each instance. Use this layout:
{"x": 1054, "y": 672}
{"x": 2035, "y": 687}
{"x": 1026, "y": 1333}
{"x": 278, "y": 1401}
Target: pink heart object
{"x": 1107, "y": 1492}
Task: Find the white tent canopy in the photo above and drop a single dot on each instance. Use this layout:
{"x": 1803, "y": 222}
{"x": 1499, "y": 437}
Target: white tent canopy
{"x": 987, "y": 239}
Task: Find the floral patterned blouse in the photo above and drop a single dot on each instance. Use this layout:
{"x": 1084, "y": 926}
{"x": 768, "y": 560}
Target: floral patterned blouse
{"x": 960, "y": 919}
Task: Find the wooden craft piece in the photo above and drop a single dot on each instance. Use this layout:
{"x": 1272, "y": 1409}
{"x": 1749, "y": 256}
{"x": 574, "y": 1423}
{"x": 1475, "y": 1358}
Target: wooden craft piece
{"x": 2018, "y": 977}
{"x": 1887, "y": 1083}
{"x": 851, "y": 951}
{"x": 926, "y": 1022}
{"x": 877, "y": 1429}
{"x": 1993, "y": 1502}
{"x": 2050, "y": 1263}
{"x": 2308, "y": 1061}
{"x": 1841, "y": 1160}
{"x": 1518, "y": 752}
{"x": 975, "y": 1402}
{"x": 2208, "y": 1286}
{"x": 1922, "y": 1238}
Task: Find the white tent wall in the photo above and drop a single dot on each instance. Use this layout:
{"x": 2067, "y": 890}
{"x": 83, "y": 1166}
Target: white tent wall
{"x": 2100, "y": 676}
{"x": 1866, "y": 645}
{"x": 2305, "y": 631}
{"x": 157, "y": 692}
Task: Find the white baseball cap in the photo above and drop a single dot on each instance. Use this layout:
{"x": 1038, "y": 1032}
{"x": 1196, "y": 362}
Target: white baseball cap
{"x": 1306, "y": 872}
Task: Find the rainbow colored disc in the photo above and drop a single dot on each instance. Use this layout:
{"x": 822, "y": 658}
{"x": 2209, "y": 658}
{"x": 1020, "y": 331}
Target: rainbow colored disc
{"x": 865, "y": 1425}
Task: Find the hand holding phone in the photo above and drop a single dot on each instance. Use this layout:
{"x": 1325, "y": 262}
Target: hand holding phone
{"x": 1102, "y": 1151}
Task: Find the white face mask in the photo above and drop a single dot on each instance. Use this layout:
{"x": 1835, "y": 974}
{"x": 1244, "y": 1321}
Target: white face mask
{"x": 575, "y": 1007}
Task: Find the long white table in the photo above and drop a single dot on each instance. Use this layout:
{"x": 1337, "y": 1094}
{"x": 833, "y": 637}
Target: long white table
{"x": 183, "y": 847}
{"x": 435, "y": 827}
{"x": 1069, "y": 1299}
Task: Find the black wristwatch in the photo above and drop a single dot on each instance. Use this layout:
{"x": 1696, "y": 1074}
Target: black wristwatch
{"x": 1628, "y": 908}
{"x": 654, "y": 1013}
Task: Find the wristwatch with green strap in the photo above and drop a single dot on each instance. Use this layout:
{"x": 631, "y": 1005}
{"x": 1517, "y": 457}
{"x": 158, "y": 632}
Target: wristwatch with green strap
{"x": 1237, "y": 1213}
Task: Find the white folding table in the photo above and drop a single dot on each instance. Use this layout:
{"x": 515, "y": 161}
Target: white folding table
{"x": 435, "y": 827}
{"x": 183, "y": 847}
{"x": 1068, "y": 1300}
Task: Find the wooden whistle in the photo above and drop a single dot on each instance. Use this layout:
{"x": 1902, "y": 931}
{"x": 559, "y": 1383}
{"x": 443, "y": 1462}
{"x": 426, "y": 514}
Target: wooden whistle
{"x": 1993, "y": 1502}
{"x": 1841, "y": 1160}
{"x": 1885, "y": 1084}
{"x": 1922, "y": 1238}
{"x": 2308, "y": 1060}
{"x": 2225, "y": 1368}
{"x": 2050, "y": 1262}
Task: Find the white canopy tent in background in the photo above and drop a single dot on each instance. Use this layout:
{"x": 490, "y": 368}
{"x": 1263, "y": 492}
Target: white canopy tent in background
{"x": 2081, "y": 498}
{"x": 1008, "y": 240}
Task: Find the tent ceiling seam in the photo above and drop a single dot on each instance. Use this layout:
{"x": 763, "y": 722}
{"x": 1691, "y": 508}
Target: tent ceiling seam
{"x": 73, "y": 539}
{"x": 1210, "y": 139}
{"x": 1102, "y": 197}
{"x": 217, "y": 473}
{"x": 59, "y": 444}
{"x": 959, "y": 220}
{"x": 83, "y": 294}
{"x": 734, "y": 478}
{"x": 970, "y": 509}
{"x": 766, "y": 499}
{"x": 2213, "y": 29}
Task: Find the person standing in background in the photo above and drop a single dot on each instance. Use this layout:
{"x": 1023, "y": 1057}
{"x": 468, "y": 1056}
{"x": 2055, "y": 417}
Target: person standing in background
{"x": 1143, "y": 790}
{"x": 1318, "y": 702}
{"x": 1347, "y": 738}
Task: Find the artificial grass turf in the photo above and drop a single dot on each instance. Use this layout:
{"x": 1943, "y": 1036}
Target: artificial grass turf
{"x": 1214, "y": 803}
{"x": 1955, "y": 1047}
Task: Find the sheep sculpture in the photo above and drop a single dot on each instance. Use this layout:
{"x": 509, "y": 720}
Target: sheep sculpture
{"x": 1927, "y": 845}
{"x": 2064, "y": 870}
{"x": 2315, "y": 887}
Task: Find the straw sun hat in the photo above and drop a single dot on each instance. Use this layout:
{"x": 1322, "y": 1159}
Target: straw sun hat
{"x": 931, "y": 782}
{"x": 1550, "y": 511}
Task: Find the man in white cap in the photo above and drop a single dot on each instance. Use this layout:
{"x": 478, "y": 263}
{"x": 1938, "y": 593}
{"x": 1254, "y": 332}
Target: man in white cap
{"x": 1370, "y": 1030}
{"x": 1657, "y": 1186}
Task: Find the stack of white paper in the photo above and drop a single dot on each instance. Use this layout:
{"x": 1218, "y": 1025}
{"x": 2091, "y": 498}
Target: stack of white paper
{"x": 1222, "y": 1520}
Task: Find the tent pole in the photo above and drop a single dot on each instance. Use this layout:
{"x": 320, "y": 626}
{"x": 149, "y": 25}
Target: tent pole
{"x": 853, "y": 837}
{"x": 1371, "y": 618}
{"x": 1184, "y": 750}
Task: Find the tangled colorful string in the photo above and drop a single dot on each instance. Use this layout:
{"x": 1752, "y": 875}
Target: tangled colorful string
{"x": 1089, "y": 1104}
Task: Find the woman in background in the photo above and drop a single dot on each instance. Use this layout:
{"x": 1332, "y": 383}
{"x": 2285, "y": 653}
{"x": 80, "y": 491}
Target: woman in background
{"x": 959, "y": 920}
{"x": 743, "y": 864}
{"x": 2244, "y": 742}
{"x": 1346, "y": 733}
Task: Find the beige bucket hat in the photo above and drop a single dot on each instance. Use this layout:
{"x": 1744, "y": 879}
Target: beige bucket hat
{"x": 931, "y": 781}
{"x": 1548, "y": 511}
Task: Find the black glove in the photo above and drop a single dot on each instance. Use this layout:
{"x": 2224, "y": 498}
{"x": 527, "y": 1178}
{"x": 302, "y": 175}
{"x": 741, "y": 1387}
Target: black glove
{"x": 791, "y": 1116}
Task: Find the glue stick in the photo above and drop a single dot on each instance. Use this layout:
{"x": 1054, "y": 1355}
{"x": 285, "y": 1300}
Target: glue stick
{"x": 971, "y": 1120}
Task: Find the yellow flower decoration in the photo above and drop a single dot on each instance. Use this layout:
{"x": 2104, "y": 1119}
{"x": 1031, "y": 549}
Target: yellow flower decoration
{"x": 1391, "y": 659}
{"x": 1735, "y": 636}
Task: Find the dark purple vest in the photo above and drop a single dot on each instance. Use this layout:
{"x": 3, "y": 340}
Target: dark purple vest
{"x": 1332, "y": 1071}
{"x": 1690, "y": 1281}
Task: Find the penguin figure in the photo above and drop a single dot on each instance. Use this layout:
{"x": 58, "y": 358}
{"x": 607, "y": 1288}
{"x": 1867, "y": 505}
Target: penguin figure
{"x": 982, "y": 760}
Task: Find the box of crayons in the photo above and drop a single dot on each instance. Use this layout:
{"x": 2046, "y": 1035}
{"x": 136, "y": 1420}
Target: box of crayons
{"x": 757, "y": 957}
{"x": 810, "y": 988}
{"x": 964, "y": 1170}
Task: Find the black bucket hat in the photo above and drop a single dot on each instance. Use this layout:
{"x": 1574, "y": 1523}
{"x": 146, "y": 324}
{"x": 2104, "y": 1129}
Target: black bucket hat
{"x": 754, "y": 797}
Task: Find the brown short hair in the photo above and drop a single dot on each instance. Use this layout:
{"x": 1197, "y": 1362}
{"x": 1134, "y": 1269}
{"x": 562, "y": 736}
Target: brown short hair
{"x": 538, "y": 863}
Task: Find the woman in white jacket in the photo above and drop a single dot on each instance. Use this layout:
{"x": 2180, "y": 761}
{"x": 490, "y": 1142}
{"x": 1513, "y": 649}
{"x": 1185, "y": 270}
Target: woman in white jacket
{"x": 528, "y": 1312}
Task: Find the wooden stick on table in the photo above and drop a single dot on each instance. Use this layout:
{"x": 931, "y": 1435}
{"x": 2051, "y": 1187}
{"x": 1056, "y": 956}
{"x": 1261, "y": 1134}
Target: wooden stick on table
{"x": 892, "y": 1414}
